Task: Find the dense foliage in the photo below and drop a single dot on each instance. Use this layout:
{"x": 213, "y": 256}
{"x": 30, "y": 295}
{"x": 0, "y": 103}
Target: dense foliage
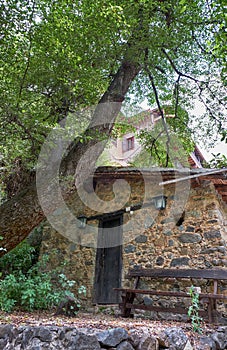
{"x": 56, "y": 57}
{"x": 26, "y": 285}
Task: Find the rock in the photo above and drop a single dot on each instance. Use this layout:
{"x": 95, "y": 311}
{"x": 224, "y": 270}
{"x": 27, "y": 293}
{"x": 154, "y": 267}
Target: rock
{"x": 173, "y": 339}
{"x": 148, "y": 342}
{"x": 206, "y": 343}
{"x": 188, "y": 346}
{"x": 210, "y": 235}
{"x": 179, "y": 261}
{"x": 112, "y": 337}
{"x": 190, "y": 229}
{"x": 27, "y": 335}
{"x": 134, "y": 337}
{"x": 147, "y": 300}
{"x": 125, "y": 345}
{"x": 171, "y": 243}
{"x": 141, "y": 239}
{"x": 130, "y": 248}
{"x": 160, "y": 261}
{"x": 190, "y": 238}
{"x": 222, "y": 319}
{"x": 167, "y": 233}
{"x": 5, "y": 330}
{"x": 208, "y": 250}
{"x": 84, "y": 342}
{"x": 3, "y": 343}
{"x": 222, "y": 329}
{"x": 70, "y": 333}
{"x": 43, "y": 333}
{"x": 222, "y": 249}
{"x": 220, "y": 339}
{"x": 148, "y": 222}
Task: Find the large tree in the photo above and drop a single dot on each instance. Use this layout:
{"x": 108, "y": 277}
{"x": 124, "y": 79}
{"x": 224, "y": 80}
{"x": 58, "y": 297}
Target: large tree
{"x": 57, "y": 57}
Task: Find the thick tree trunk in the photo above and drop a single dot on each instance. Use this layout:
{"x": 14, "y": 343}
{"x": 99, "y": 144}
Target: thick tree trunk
{"x": 103, "y": 118}
{"x": 23, "y": 212}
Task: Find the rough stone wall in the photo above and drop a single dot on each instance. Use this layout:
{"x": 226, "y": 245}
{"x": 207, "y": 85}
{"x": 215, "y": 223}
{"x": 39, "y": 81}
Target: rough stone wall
{"x": 189, "y": 233}
{"x": 196, "y": 239}
{"x": 54, "y": 337}
{"x": 77, "y": 261}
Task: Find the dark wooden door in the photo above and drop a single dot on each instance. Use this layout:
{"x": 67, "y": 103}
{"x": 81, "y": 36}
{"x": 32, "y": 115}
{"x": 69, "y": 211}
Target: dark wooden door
{"x": 108, "y": 261}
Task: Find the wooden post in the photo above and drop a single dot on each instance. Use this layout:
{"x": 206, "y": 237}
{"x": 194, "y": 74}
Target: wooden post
{"x": 128, "y": 297}
{"x": 210, "y": 310}
{"x": 215, "y": 292}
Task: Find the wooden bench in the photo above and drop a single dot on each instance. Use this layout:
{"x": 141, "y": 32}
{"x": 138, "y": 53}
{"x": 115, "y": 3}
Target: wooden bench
{"x": 170, "y": 275}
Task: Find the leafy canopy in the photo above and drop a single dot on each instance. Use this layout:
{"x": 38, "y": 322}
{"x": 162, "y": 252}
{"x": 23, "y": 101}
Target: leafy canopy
{"x": 56, "y": 57}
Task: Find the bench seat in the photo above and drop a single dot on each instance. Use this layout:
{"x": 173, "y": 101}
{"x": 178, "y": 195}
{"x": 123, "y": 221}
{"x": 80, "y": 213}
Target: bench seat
{"x": 128, "y": 295}
{"x": 170, "y": 293}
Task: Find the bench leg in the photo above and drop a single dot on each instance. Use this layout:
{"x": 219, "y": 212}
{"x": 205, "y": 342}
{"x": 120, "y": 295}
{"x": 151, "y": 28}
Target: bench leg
{"x": 128, "y": 297}
{"x": 211, "y": 310}
{"x": 215, "y": 313}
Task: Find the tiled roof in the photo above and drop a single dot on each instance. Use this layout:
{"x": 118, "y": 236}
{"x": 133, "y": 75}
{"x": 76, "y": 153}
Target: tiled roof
{"x": 217, "y": 176}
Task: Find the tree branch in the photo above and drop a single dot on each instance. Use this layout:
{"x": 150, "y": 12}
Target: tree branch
{"x": 160, "y": 111}
{"x": 176, "y": 69}
{"x": 177, "y": 94}
{"x": 199, "y": 84}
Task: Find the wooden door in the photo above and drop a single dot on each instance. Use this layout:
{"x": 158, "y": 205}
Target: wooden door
{"x": 108, "y": 261}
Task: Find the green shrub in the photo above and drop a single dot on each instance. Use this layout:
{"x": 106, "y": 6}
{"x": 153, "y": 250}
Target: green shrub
{"x": 193, "y": 311}
{"x": 29, "y": 287}
{"x": 18, "y": 259}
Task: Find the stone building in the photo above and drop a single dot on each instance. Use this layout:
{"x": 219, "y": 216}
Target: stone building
{"x": 118, "y": 224}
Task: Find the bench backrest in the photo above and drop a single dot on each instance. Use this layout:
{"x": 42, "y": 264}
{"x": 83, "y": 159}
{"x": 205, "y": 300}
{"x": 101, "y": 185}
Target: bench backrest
{"x": 214, "y": 274}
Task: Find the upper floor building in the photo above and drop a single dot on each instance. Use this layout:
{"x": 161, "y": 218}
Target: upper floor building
{"x": 122, "y": 150}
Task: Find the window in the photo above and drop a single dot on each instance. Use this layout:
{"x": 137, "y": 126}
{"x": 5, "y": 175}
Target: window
{"x": 128, "y": 144}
